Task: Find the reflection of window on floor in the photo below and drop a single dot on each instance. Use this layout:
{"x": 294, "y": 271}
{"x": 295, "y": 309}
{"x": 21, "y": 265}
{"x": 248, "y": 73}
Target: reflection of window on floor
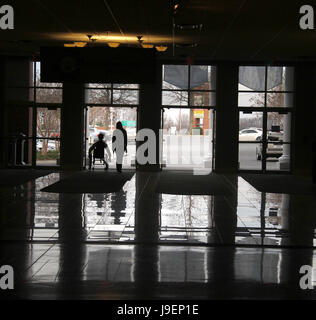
{"x": 185, "y": 218}
{"x": 265, "y": 102}
{"x": 188, "y": 265}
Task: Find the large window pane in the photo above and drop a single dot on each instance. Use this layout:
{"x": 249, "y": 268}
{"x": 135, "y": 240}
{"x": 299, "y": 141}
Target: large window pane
{"x": 175, "y": 77}
{"x": 280, "y": 100}
{"x": 48, "y": 137}
{"x": 250, "y": 126}
{"x": 47, "y": 152}
{"x": 38, "y": 82}
{"x": 98, "y": 96}
{"x": 200, "y": 78}
{"x": 250, "y": 99}
{"x": 279, "y": 126}
{"x": 202, "y": 98}
{"x": 49, "y": 95}
{"x": 125, "y": 96}
{"x": 275, "y": 150}
{"x": 48, "y": 122}
{"x": 252, "y": 78}
{"x": 250, "y": 156}
{"x": 175, "y": 98}
{"x": 280, "y": 79}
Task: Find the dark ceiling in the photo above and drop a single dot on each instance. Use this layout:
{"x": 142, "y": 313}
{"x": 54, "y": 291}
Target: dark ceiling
{"x": 231, "y": 29}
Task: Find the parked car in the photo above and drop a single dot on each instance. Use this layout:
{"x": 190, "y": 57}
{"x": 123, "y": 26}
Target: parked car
{"x": 274, "y": 146}
{"x": 250, "y": 134}
{"x": 94, "y": 132}
{"x": 51, "y": 146}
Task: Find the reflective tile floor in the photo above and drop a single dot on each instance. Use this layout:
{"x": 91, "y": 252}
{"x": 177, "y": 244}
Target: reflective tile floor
{"x": 139, "y": 244}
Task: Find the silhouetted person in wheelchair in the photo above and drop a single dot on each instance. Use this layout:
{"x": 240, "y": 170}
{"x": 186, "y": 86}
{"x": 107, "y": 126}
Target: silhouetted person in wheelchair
{"x": 96, "y": 151}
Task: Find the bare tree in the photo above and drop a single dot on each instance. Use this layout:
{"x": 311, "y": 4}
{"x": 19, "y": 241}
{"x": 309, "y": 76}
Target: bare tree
{"x": 48, "y": 119}
{"x": 102, "y": 115}
{"x": 272, "y": 99}
{"x": 183, "y": 122}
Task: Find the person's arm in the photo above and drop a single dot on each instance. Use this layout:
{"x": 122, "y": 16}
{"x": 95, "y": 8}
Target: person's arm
{"x": 125, "y": 140}
{"x": 113, "y": 140}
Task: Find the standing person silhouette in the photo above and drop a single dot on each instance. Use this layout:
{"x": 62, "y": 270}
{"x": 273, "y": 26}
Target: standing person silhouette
{"x": 119, "y": 144}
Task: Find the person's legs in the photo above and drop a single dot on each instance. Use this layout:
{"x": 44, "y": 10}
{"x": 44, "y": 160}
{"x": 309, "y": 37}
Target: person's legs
{"x": 119, "y": 161}
{"x": 106, "y": 164}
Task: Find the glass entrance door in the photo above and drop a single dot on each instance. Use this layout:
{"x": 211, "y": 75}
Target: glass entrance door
{"x": 103, "y": 119}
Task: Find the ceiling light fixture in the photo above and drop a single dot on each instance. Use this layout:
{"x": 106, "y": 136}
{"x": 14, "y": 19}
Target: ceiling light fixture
{"x": 69, "y": 45}
{"x": 80, "y": 44}
{"x": 147, "y": 45}
{"x": 113, "y": 44}
{"x": 161, "y": 48}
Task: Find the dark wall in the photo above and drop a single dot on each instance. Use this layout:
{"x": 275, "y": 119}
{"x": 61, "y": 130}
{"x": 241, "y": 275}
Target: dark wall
{"x": 304, "y": 119}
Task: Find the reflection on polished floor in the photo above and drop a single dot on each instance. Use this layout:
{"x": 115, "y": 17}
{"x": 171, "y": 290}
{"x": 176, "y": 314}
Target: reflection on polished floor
{"x": 138, "y": 243}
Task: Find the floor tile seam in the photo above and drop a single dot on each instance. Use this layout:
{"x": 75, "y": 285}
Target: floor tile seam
{"x": 53, "y": 244}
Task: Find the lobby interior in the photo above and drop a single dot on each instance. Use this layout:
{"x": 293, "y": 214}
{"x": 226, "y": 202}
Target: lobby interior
{"x": 232, "y": 224}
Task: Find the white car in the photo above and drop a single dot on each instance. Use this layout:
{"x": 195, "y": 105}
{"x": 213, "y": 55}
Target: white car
{"x": 94, "y": 132}
{"x": 274, "y": 146}
{"x": 250, "y": 134}
{"x": 51, "y": 146}
{"x": 93, "y": 135}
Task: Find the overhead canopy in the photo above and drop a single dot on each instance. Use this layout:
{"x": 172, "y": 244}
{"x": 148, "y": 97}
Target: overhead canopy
{"x": 178, "y": 76}
{"x": 254, "y": 77}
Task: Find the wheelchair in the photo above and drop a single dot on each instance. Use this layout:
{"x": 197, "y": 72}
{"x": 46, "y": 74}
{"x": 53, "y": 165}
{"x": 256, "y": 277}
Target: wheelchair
{"x": 95, "y": 160}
